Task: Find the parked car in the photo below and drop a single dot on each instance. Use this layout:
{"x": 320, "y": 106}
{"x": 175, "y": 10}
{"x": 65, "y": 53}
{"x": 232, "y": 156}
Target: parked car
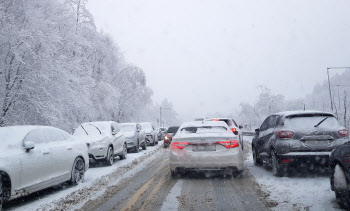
{"x": 161, "y": 132}
{"x": 104, "y": 141}
{"x": 131, "y": 132}
{"x": 169, "y": 135}
{"x": 340, "y": 174}
{"x": 297, "y": 139}
{"x": 33, "y": 158}
{"x": 235, "y": 128}
{"x": 205, "y": 145}
{"x": 149, "y": 133}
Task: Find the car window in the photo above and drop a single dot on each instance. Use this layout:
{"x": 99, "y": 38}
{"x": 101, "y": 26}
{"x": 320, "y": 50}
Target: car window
{"x": 272, "y": 122}
{"x": 44, "y": 135}
{"x": 265, "y": 124}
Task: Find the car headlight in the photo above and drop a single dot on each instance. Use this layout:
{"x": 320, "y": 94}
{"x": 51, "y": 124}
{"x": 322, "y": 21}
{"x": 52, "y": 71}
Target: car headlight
{"x": 166, "y": 138}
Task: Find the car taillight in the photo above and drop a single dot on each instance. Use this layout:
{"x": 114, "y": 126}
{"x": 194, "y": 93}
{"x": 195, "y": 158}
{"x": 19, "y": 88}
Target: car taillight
{"x": 179, "y": 145}
{"x": 228, "y": 144}
{"x": 284, "y": 134}
{"x": 234, "y": 130}
{"x": 343, "y": 132}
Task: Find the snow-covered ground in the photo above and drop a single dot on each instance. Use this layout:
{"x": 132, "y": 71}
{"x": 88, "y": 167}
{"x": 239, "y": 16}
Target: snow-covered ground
{"x": 97, "y": 179}
{"x": 293, "y": 193}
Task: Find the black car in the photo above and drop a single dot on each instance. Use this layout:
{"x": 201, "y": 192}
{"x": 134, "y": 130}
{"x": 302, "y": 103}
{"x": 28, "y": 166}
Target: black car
{"x": 340, "y": 177}
{"x": 301, "y": 139}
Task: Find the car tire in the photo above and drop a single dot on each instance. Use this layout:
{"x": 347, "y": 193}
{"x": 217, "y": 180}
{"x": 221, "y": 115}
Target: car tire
{"x": 256, "y": 159}
{"x": 124, "y": 153}
{"x": 166, "y": 145}
{"x": 144, "y": 146}
{"x": 153, "y": 143}
{"x": 78, "y": 171}
{"x": 1, "y": 194}
{"x": 277, "y": 170}
{"x": 110, "y": 157}
{"x": 342, "y": 194}
{"x": 137, "y": 147}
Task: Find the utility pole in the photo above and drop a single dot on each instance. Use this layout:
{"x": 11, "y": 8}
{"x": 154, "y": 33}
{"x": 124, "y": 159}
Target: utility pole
{"x": 329, "y": 87}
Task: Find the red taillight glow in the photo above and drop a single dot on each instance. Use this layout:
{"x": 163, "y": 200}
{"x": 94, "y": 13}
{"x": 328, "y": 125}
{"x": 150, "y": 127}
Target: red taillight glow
{"x": 286, "y": 160}
{"x": 179, "y": 145}
{"x": 234, "y": 130}
{"x": 343, "y": 133}
{"x": 284, "y": 134}
{"x": 217, "y": 120}
{"x": 228, "y": 144}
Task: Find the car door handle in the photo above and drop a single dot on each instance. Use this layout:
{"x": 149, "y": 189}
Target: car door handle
{"x": 46, "y": 153}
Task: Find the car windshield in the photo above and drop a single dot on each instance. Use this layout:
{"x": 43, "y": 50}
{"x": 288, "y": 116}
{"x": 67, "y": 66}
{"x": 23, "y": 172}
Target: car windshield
{"x": 204, "y": 129}
{"x": 309, "y": 122}
{"x": 90, "y": 129}
{"x": 172, "y": 129}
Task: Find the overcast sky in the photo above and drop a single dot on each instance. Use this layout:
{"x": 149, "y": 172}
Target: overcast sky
{"x": 209, "y": 55}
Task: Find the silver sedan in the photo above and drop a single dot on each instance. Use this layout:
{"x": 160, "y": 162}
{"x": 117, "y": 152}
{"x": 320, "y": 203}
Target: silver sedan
{"x": 205, "y": 145}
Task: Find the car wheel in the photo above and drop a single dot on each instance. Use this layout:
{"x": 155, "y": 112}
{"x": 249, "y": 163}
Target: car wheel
{"x": 1, "y": 194}
{"x": 256, "y": 160}
{"x": 144, "y": 146}
{"x": 124, "y": 153}
{"x": 340, "y": 183}
{"x": 154, "y": 143}
{"x": 137, "y": 147}
{"x": 276, "y": 166}
{"x": 166, "y": 145}
{"x": 78, "y": 171}
{"x": 110, "y": 157}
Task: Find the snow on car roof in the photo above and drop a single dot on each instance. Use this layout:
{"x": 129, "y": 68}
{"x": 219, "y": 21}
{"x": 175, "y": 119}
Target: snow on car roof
{"x": 104, "y": 126}
{"x": 203, "y": 123}
{"x": 301, "y": 112}
{"x": 14, "y": 135}
{"x": 218, "y": 118}
{"x": 128, "y": 123}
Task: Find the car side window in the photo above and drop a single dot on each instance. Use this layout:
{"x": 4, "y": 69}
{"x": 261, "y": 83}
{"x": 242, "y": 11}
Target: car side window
{"x": 36, "y": 136}
{"x": 65, "y": 135}
{"x": 272, "y": 122}
{"x": 265, "y": 124}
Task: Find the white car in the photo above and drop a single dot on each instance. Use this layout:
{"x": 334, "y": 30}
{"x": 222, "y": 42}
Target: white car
{"x": 149, "y": 133}
{"x": 33, "y": 158}
{"x": 205, "y": 145}
{"x": 132, "y": 135}
{"x": 234, "y": 127}
{"x": 104, "y": 141}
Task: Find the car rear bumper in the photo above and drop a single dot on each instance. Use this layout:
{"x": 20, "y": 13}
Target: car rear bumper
{"x": 309, "y": 158}
{"x": 216, "y": 160}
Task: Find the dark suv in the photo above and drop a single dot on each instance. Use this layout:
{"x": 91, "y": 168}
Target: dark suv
{"x": 297, "y": 139}
{"x": 340, "y": 174}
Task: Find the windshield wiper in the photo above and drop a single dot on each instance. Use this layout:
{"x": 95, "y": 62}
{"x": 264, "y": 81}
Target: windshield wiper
{"x": 321, "y": 121}
{"x": 96, "y": 128}
{"x": 84, "y": 129}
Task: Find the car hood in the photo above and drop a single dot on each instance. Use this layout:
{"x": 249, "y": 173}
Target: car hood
{"x": 148, "y": 130}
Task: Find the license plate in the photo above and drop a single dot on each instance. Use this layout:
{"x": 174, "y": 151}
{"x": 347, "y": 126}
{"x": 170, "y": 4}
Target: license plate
{"x": 317, "y": 142}
{"x": 203, "y": 148}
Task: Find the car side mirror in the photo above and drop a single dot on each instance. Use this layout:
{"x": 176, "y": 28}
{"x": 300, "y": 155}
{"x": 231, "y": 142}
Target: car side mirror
{"x": 257, "y": 131}
{"x": 28, "y": 145}
{"x": 114, "y": 133}
{"x": 240, "y": 127}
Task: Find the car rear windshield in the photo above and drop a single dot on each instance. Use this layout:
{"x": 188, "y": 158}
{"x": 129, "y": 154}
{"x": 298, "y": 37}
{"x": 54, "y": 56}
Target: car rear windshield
{"x": 204, "y": 129}
{"x": 312, "y": 120}
{"x": 172, "y": 129}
